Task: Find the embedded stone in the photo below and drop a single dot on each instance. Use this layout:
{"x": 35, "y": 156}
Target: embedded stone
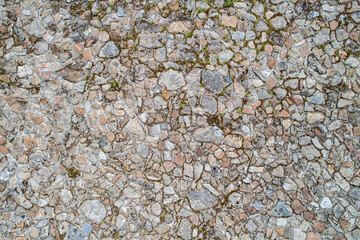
{"x": 201, "y": 199}
{"x": 172, "y": 80}
{"x": 93, "y": 210}
{"x": 213, "y": 81}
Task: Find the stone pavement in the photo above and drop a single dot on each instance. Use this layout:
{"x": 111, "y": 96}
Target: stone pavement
{"x": 160, "y": 119}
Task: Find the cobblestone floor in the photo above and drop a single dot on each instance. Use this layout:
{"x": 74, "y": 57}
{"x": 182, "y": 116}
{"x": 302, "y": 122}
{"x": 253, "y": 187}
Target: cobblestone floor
{"x": 179, "y": 119}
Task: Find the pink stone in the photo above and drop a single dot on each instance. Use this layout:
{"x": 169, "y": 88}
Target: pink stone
{"x": 78, "y": 47}
{"x": 268, "y": 49}
{"x": 82, "y": 159}
{"x": 272, "y": 63}
{"x": 3, "y": 150}
{"x": 169, "y": 166}
{"x": 284, "y": 114}
{"x": 333, "y": 25}
{"x": 229, "y": 21}
{"x": 103, "y": 36}
{"x": 87, "y": 56}
{"x": 305, "y": 51}
{"x": 45, "y": 74}
{"x": 271, "y": 83}
{"x": 248, "y": 110}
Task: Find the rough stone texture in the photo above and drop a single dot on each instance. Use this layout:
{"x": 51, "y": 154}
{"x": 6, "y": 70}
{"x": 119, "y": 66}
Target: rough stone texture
{"x": 213, "y": 81}
{"x": 110, "y": 50}
{"x": 184, "y": 230}
{"x": 209, "y": 104}
{"x": 172, "y": 80}
{"x": 278, "y": 22}
{"x": 201, "y": 199}
{"x": 134, "y": 127}
{"x": 75, "y": 234}
{"x": 179, "y": 119}
{"x": 209, "y": 134}
{"x": 94, "y": 210}
{"x": 229, "y": 21}
{"x": 180, "y": 27}
{"x": 354, "y": 193}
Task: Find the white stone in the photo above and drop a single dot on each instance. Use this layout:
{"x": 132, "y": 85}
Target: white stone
{"x": 326, "y": 203}
{"x": 102, "y": 155}
{"x": 299, "y": 235}
{"x": 24, "y": 71}
{"x": 66, "y": 196}
{"x": 120, "y": 221}
{"x": 93, "y": 210}
{"x": 134, "y": 127}
{"x": 172, "y": 80}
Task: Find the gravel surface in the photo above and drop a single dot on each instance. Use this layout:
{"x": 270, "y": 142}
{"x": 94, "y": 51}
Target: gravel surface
{"x": 213, "y": 119}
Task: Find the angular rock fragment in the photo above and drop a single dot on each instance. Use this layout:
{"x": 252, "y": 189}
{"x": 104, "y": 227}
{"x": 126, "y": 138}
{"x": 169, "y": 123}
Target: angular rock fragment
{"x": 201, "y": 199}
{"x": 354, "y": 193}
{"x": 209, "y": 134}
{"x": 234, "y": 141}
{"x": 93, "y": 210}
{"x": 213, "y": 81}
{"x": 315, "y": 117}
{"x": 180, "y": 27}
{"x": 74, "y": 233}
{"x": 282, "y": 209}
{"x": 278, "y": 22}
{"x": 310, "y": 152}
{"x": 184, "y": 229}
{"x": 110, "y": 50}
{"x": 72, "y": 73}
{"x": 172, "y": 80}
{"x": 133, "y": 126}
{"x": 209, "y": 103}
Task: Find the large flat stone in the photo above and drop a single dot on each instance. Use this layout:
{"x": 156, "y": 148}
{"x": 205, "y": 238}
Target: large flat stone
{"x": 213, "y": 81}
{"x": 93, "y": 210}
{"x": 201, "y": 199}
{"x": 110, "y": 50}
{"x": 209, "y": 134}
{"x": 172, "y": 80}
{"x": 180, "y": 27}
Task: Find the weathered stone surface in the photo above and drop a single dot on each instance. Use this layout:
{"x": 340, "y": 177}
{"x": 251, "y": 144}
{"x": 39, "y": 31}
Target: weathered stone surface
{"x": 24, "y": 71}
{"x": 74, "y": 233}
{"x": 322, "y": 37}
{"x": 225, "y": 56}
{"x": 130, "y": 192}
{"x": 172, "y": 80}
{"x": 310, "y": 152}
{"x": 282, "y": 209}
{"x": 317, "y": 98}
{"x": 133, "y": 126}
{"x": 229, "y": 21}
{"x": 180, "y": 27}
{"x": 209, "y": 104}
{"x": 278, "y": 22}
{"x": 326, "y": 203}
{"x": 209, "y": 134}
{"x": 184, "y": 229}
{"x": 94, "y": 210}
{"x": 315, "y": 117}
{"x": 201, "y": 199}
{"x": 110, "y": 50}
{"x": 213, "y": 81}
{"x": 120, "y": 221}
{"x": 298, "y": 207}
{"x": 71, "y": 73}
{"x": 234, "y": 141}
{"x": 115, "y": 113}
{"x": 354, "y": 193}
